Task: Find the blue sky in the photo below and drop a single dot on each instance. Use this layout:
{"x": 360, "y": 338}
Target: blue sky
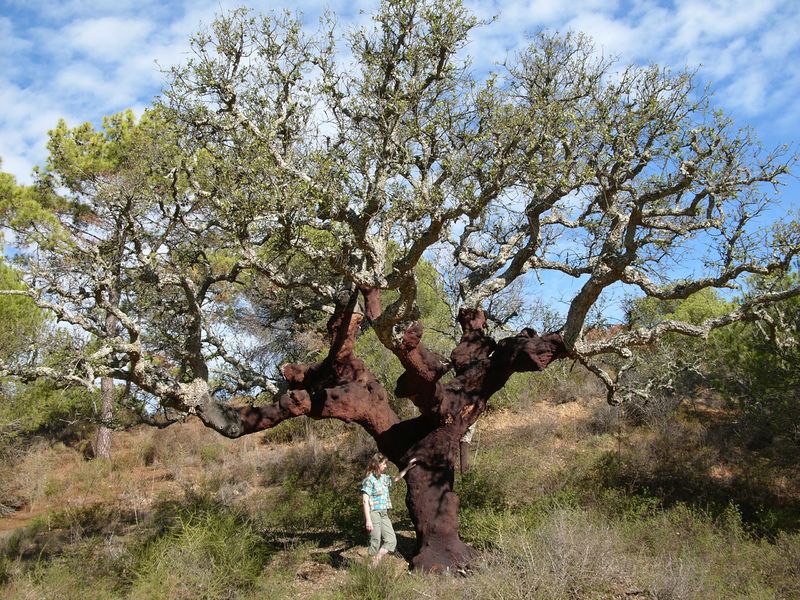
{"x": 82, "y": 59}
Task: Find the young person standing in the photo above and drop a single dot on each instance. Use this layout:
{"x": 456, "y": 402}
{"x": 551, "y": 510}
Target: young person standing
{"x": 376, "y": 503}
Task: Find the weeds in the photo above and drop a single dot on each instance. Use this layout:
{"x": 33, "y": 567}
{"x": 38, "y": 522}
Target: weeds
{"x": 566, "y": 500}
{"x": 387, "y": 581}
{"x": 203, "y": 551}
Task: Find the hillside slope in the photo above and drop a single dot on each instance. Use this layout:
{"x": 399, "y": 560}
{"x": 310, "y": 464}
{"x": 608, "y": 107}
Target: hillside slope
{"x": 566, "y": 500}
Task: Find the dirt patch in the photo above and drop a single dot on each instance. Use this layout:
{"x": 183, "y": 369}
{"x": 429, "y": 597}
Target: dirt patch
{"x": 19, "y": 519}
{"x": 496, "y": 423}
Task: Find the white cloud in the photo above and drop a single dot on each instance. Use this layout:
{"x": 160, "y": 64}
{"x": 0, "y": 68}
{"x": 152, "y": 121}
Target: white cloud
{"x": 107, "y": 39}
{"x": 612, "y": 37}
{"x": 26, "y": 118}
{"x": 704, "y": 21}
{"x": 84, "y": 80}
{"x": 747, "y": 92}
{"x": 82, "y": 59}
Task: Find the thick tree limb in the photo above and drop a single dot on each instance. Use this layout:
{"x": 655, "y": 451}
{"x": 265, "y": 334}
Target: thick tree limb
{"x": 339, "y": 387}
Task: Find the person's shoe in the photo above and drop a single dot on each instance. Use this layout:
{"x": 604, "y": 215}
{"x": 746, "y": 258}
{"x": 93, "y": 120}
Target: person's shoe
{"x": 377, "y": 558}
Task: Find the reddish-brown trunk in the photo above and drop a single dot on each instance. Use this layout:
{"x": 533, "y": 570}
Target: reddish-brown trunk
{"x": 433, "y": 505}
{"x": 482, "y": 366}
{"x": 341, "y": 387}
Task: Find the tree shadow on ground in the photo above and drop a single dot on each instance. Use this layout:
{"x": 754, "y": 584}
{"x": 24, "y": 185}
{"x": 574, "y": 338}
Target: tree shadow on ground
{"x": 338, "y": 547}
{"x": 711, "y": 472}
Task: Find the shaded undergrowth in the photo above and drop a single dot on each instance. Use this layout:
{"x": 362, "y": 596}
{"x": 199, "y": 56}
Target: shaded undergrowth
{"x": 564, "y": 500}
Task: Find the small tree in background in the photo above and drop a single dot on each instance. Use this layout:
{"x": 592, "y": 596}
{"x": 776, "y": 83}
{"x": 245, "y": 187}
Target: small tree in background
{"x": 26, "y": 339}
{"x": 757, "y": 367}
{"x": 274, "y": 187}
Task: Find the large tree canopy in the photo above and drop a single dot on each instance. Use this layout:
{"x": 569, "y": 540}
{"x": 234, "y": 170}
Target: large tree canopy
{"x": 281, "y": 181}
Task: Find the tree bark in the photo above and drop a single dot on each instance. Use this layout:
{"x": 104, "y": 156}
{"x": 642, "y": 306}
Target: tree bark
{"x": 341, "y": 387}
{"x": 433, "y": 505}
{"x": 482, "y": 366}
{"x": 102, "y": 447}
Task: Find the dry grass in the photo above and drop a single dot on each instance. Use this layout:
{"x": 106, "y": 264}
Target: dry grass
{"x": 565, "y": 500}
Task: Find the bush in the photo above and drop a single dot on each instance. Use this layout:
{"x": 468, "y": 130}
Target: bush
{"x": 211, "y": 453}
{"x": 60, "y": 579}
{"x": 568, "y": 555}
{"x": 5, "y": 569}
{"x": 680, "y": 552}
{"x": 481, "y": 489}
{"x": 205, "y": 551}
{"x": 387, "y": 581}
{"x": 781, "y": 566}
{"x": 39, "y": 408}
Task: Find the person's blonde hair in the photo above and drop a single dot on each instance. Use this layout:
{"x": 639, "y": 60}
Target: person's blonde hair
{"x": 374, "y": 463}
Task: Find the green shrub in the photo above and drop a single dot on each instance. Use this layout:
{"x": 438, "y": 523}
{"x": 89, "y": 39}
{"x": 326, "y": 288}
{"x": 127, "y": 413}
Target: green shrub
{"x": 386, "y": 581}
{"x": 291, "y": 430}
{"x": 204, "y": 552}
{"x": 296, "y": 507}
{"x": 87, "y": 520}
{"x": 149, "y": 453}
{"x": 617, "y": 504}
{"x": 781, "y": 566}
{"x": 482, "y": 488}
{"x": 40, "y": 408}
{"x": 680, "y": 552}
{"x": 61, "y": 579}
{"x": 5, "y": 569}
{"x": 211, "y": 453}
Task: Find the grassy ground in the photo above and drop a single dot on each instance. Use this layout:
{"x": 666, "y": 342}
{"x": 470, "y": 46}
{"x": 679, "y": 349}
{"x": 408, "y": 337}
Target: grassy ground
{"x": 564, "y": 500}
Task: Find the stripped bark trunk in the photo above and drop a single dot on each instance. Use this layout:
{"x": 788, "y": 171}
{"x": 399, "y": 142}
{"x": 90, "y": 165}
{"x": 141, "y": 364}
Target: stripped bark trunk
{"x": 341, "y": 387}
{"x": 433, "y": 505}
{"x": 482, "y": 366}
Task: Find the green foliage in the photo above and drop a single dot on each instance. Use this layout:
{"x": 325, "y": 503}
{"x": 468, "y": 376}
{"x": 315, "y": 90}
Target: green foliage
{"x": 299, "y": 508}
{"x": 676, "y": 553}
{"x": 5, "y": 570}
{"x": 673, "y": 466}
{"x": 757, "y": 366}
{"x": 315, "y": 488}
{"x": 436, "y": 313}
{"x": 752, "y": 363}
{"x": 81, "y": 155}
{"x": 482, "y": 488}
{"x": 40, "y": 407}
{"x": 205, "y": 551}
{"x": 37, "y": 406}
{"x": 439, "y": 334}
{"x": 384, "y": 582}
{"x": 23, "y": 207}
{"x": 65, "y": 577}
{"x": 211, "y": 453}
{"x": 702, "y": 305}
{"x": 20, "y": 318}
{"x": 675, "y": 366}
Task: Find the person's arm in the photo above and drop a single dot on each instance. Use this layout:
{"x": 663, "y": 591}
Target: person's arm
{"x": 365, "y": 506}
{"x": 412, "y": 463}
